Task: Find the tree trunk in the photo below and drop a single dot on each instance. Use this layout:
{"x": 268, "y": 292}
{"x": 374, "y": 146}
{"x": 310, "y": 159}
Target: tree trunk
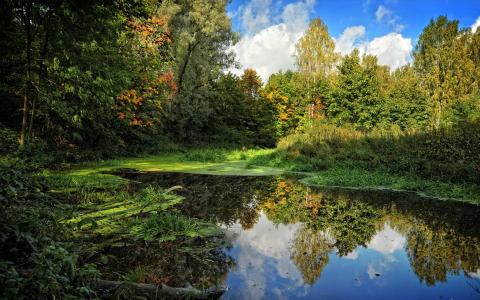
{"x": 153, "y": 291}
{"x": 26, "y": 97}
{"x": 41, "y": 73}
{"x": 183, "y": 70}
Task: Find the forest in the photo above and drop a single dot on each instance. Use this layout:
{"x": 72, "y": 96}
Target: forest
{"x": 92, "y": 91}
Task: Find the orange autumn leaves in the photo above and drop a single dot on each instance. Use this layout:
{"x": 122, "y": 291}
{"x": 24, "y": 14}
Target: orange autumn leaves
{"x": 130, "y": 103}
{"x": 141, "y": 104}
{"x": 153, "y": 31}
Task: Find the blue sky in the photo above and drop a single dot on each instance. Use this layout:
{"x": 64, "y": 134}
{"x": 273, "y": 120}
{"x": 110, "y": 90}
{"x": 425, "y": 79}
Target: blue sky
{"x": 386, "y": 28}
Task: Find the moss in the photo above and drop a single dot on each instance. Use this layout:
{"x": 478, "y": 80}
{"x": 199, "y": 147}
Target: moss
{"x": 233, "y": 164}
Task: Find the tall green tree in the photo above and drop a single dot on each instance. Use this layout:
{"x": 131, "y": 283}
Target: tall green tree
{"x": 316, "y": 60}
{"x": 76, "y": 60}
{"x": 407, "y": 102}
{"x": 259, "y": 110}
{"x": 443, "y": 64}
{"x": 202, "y": 35}
{"x": 284, "y": 95}
{"x": 356, "y": 99}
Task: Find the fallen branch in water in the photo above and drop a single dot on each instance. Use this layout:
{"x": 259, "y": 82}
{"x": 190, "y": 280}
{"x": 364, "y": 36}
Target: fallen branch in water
{"x": 154, "y": 291}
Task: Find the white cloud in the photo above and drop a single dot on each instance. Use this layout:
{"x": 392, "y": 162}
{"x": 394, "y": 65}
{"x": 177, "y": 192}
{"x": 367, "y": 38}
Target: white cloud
{"x": 387, "y": 241}
{"x": 296, "y": 15}
{"x": 267, "y": 47}
{"x": 474, "y": 274}
{"x": 386, "y": 15}
{"x": 348, "y": 40}
{"x": 262, "y": 252}
{"x": 353, "y": 255}
{"x": 391, "y": 49}
{"x": 255, "y": 16}
{"x": 476, "y": 25}
{"x": 271, "y": 32}
{"x": 382, "y": 13}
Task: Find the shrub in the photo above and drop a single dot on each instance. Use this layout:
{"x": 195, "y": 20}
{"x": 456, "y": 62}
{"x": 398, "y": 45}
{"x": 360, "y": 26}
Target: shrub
{"x": 34, "y": 263}
{"x": 8, "y": 141}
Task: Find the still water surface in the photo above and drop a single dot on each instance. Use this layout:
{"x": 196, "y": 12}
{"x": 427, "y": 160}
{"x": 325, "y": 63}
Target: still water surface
{"x": 290, "y": 241}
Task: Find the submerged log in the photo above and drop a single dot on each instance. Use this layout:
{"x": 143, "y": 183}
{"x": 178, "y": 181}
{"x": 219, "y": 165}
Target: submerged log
{"x": 154, "y": 291}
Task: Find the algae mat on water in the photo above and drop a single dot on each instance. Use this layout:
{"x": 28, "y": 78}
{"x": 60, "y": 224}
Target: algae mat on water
{"x": 176, "y": 163}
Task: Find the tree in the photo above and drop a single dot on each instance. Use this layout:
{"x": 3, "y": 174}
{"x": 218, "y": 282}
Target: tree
{"x": 87, "y": 72}
{"x": 443, "y": 64}
{"x": 259, "y": 110}
{"x": 316, "y": 59}
{"x": 316, "y": 55}
{"x": 356, "y": 99}
{"x": 407, "y": 103}
{"x": 310, "y": 253}
{"x": 283, "y": 94}
{"x": 202, "y": 35}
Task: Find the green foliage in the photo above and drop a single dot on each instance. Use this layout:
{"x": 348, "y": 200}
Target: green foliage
{"x": 316, "y": 55}
{"x": 407, "y": 102}
{"x": 8, "y": 141}
{"x": 137, "y": 275}
{"x": 357, "y": 97}
{"x": 363, "y": 179}
{"x": 165, "y": 226}
{"x": 285, "y": 94}
{"x": 449, "y": 154}
{"x": 441, "y": 59}
{"x": 34, "y": 263}
{"x": 206, "y": 155}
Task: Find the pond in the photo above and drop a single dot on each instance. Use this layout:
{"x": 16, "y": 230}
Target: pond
{"x": 290, "y": 241}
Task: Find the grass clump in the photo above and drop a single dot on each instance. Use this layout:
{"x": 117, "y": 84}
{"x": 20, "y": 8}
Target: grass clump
{"x": 206, "y": 155}
{"x": 166, "y": 226}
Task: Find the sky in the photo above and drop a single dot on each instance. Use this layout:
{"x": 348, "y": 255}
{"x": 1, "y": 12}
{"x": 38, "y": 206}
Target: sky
{"x": 389, "y": 29}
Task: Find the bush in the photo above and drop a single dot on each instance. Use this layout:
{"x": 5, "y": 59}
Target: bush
{"x": 34, "y": 262}
{"x": 8, "y": 141}
{"x": 206, "y": 155}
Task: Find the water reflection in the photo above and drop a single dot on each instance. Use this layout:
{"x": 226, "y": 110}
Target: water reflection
{"x": 292, "y": 241}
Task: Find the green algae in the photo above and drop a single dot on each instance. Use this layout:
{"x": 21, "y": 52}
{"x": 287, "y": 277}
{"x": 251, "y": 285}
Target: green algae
{"x": 96, "y": 174}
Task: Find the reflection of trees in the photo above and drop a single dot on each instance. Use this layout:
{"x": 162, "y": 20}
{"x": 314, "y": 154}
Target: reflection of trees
{"x": 286, "y": 202}
{"x": 310, "y": 252}
{"x": 442, "y": 237}
{"x": 201, "y": 263}
{"x": 352, "y": 223}
{"x": 223, "y": 199}
{"x": 434, "y": 254}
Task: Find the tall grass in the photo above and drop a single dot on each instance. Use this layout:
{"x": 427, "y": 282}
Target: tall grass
{"x": 450, "y": 154}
